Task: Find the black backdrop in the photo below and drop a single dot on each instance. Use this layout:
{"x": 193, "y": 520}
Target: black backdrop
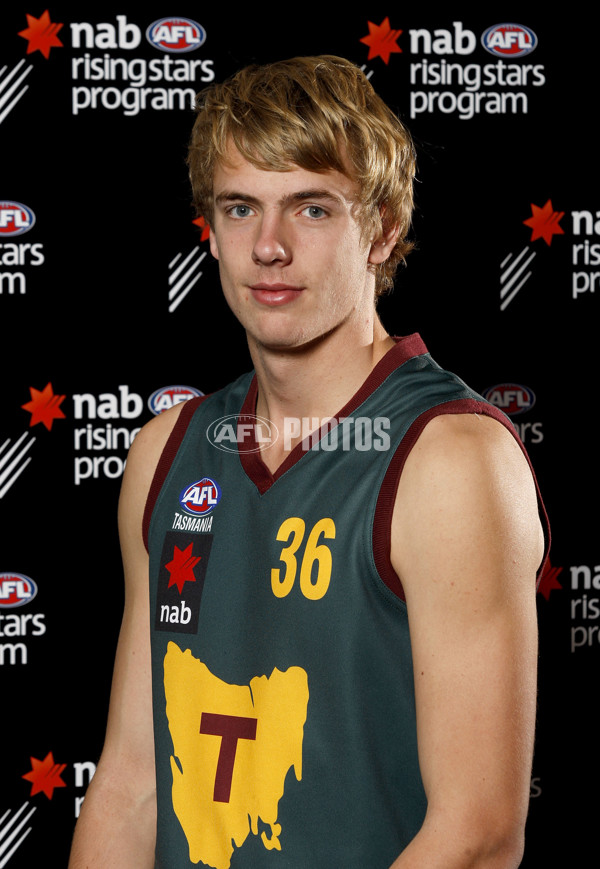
{"x": 108, "y": 293}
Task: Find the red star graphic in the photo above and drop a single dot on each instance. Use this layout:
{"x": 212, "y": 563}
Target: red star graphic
{"x": 181, "y": 567}
{"x": 549, "y": 580}
{"x": 41, "y": 34}
{"x": 45, "y": 775}
{"x": 544, "y": 222}
{"x": 382, "y": 40}
{"x": 44, "y": 406}
{"x": 200, "y": 221}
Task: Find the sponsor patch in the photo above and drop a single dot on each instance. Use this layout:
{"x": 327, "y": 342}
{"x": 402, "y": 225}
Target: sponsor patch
{"x": 181, "y": 577}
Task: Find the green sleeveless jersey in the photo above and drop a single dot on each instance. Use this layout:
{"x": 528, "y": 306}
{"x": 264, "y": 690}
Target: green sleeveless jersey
{"x": 284, "y": 709}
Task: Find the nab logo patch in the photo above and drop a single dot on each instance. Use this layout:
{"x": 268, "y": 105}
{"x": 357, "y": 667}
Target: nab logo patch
{"x": 200, "y": 498}
{"x": 15, "y": 218}
{"x": 167, "y": 397}
{"x": 512, "y": 398}
{"x": 509, "y": 40}
{"x": 181, "y": 577}
{"x": 16, "y": 590}
{"x": 176, "y": 35}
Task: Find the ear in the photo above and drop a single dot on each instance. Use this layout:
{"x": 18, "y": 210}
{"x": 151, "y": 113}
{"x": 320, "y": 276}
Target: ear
{"x": 214, "y": 248}
{"x": 382, "y": 247}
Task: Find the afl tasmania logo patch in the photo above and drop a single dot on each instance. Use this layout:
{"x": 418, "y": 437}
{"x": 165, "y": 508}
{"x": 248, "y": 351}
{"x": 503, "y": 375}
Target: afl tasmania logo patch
{"x": 201, "y": 497}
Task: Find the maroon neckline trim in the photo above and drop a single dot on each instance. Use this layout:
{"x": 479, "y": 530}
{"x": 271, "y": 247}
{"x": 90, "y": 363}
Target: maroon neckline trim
{"x": 405, "y": 348}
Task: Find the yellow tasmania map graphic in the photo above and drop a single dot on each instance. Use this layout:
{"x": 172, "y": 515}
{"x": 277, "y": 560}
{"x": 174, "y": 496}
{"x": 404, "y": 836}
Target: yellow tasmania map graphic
{"x": 233, "y": 747}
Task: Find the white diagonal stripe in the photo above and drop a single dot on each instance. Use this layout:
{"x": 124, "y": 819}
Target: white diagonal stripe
{"x": 10, "y": 106}
{"x": 175, "y": 274}
{"x": 184, "y": 293}
{"x": 5, "y": 97}
{"x": 507, "y": 301}
{"x": 516, "y": 276}
{"x": 5, "y": 857}
{"x": 182, "y": 279}
{"x": 508, "y": 270}
{"x": 6, "y": 471}
{"x": 174, "y": 290}
{"x": 12, "y": 72}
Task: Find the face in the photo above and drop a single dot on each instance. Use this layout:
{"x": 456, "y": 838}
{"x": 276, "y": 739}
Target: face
{"x": 293, "y": 261}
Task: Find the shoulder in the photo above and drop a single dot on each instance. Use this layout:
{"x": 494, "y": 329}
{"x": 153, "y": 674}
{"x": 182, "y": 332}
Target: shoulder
{"x": 449, "y": 441}
{"x": 142, "y": 460}
{"x": 151, "y": 440}
{"x": 467, "y": 491}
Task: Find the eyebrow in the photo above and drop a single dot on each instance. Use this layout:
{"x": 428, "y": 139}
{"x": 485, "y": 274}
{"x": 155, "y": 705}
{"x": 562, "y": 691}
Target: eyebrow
{"x": 289, "y": 199}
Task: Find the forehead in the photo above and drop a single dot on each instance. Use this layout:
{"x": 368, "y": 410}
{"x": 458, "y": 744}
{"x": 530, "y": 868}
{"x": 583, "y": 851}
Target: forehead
{"x": 236, "y": 174}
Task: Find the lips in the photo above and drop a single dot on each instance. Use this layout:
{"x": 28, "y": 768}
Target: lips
{"x": 275, "y": 294}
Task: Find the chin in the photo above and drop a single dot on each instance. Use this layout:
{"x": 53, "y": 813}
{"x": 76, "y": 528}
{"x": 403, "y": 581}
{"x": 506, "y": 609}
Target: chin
{"x": 292, "y": 342}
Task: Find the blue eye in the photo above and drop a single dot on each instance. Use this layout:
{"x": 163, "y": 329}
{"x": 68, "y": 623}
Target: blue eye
{"x": 315, "y": 211}
{"x": 240, "y": 211}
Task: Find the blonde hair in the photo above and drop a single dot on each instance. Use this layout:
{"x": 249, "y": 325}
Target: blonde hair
{"x": 319, "y": 113}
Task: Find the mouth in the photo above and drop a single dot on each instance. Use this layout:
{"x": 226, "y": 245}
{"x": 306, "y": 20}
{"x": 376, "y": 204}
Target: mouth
{"x": 275, "y": 294}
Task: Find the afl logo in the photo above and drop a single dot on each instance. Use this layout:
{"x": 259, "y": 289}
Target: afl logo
{"x": 15, "y": 218}
{"x": 200, "y": 498}
{"x": 512, "y": 398}
{"x": 244, "y": 433}
{"x": 509, "y": 40}
{"x": 176, "y": 35}
{"x": 168, "y": 396}
{"x": 16, "y": 590}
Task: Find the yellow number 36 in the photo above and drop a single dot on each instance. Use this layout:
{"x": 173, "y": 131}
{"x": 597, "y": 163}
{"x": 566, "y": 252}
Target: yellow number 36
{"x": 314, "y": 551}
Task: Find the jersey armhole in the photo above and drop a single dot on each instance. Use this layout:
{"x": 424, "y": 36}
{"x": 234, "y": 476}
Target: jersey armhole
{"x": 382, "y": 525}
{"x": 166, "y": 460}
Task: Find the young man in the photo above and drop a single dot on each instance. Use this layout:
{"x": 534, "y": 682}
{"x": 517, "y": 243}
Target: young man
{"x": 338, "y": 632}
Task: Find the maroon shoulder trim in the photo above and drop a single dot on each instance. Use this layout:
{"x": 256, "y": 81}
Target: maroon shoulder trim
{"x": 382, "y": 525}
{"x": 166, "y": 459}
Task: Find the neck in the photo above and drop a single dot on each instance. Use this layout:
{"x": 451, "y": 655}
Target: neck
{"x": 315, "y": 381}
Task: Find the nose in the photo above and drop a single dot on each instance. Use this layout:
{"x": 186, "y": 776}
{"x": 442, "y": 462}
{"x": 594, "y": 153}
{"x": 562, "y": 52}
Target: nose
{"x": 272, "y": 244}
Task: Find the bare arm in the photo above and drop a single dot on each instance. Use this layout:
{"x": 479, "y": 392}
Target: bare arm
{"x": 466, "y": 544}
{"x": 116, "y": 827}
